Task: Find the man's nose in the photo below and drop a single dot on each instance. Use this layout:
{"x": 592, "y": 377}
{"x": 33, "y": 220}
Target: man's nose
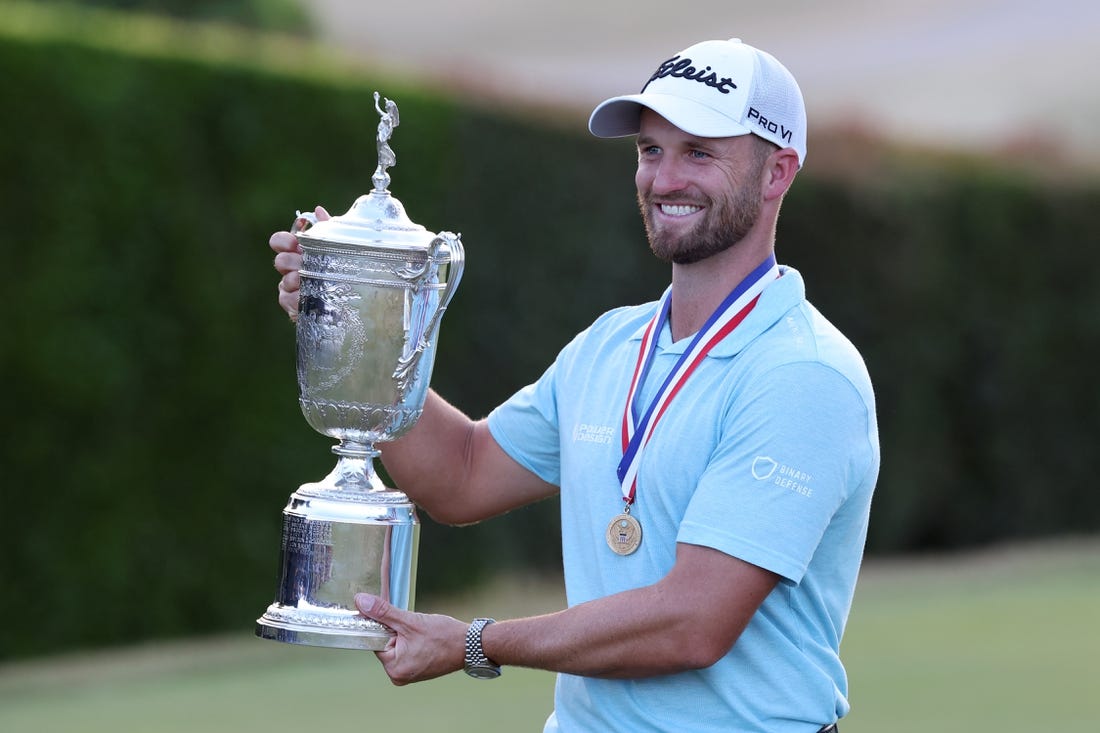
{"x": 669, "y": 176}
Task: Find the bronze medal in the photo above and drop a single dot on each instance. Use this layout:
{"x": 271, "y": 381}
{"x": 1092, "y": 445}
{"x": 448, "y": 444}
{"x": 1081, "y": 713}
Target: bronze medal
{"x": 624, "y": 534}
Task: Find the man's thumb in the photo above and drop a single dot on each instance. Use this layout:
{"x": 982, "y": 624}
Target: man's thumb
{"x": 376, "y": 608}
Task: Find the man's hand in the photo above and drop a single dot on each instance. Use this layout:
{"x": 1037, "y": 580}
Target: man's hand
{"x": 288, "y": 260}
{"x": 425, "y": 646}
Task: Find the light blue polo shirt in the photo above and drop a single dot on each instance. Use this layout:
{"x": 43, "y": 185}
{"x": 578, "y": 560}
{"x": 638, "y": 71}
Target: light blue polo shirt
{"x": 769, "y": 453}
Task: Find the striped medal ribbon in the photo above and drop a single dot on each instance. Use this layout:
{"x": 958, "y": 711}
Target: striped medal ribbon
{"x": 624, "y": 532}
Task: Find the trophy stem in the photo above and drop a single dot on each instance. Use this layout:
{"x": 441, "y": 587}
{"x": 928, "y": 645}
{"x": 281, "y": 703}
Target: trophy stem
{"x": 354, "y": 471}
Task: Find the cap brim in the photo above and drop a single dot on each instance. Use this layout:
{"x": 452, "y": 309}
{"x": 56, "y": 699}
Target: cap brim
{"x": 621, "y": 116}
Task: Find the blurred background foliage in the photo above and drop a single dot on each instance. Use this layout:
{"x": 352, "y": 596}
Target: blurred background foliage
{"x": 286, "y": 16}
{"x": 154, "y": 434}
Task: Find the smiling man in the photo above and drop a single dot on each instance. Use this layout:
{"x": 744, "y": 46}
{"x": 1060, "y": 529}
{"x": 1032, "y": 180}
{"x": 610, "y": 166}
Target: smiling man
{"x": 715, "y": 451}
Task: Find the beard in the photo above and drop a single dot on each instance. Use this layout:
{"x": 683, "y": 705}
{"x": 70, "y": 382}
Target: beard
{"x": 723, "y": 225}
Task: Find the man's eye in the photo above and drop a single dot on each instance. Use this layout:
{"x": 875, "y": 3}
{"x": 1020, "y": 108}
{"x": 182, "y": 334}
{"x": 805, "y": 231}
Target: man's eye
{"x": 698, "y": 154}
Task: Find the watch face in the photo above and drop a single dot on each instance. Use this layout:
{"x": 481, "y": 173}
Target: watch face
{"x": 483, "y": 673}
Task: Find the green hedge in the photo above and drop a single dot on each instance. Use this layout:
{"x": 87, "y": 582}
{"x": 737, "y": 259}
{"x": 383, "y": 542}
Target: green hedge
{"x": 973, "y": 298}
{"x": 278, "y": 15}
{"x": 153, "y": 429}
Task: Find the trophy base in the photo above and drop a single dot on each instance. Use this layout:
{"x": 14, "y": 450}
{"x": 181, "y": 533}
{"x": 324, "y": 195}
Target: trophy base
{"x": 292, "y": 627}
{"x": 336, "y": 544}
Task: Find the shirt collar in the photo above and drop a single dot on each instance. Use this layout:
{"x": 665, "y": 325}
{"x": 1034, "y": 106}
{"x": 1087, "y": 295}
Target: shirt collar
{"x": 778, "y": 298}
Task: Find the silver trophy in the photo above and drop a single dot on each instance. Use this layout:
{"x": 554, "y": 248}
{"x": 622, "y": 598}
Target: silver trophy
{"x": 374, "y": 287}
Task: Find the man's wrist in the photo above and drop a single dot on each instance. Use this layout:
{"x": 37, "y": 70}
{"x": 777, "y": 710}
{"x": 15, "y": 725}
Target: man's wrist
{"x": 478, "y": 665}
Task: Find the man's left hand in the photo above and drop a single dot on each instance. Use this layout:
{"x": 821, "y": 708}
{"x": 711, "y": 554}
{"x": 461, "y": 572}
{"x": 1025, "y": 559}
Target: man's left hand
{"x": 425, "y": 646}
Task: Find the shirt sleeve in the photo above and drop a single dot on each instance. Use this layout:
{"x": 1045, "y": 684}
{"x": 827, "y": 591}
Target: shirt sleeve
{"x": 526, "y": 428}
{"x": 792, "y": 447}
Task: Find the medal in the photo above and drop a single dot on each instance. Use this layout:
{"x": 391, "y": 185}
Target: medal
{"x": 624, "y": 534}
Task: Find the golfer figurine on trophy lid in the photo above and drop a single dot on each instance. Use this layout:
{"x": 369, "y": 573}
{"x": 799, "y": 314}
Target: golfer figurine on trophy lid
{"x": 374, "y": 288}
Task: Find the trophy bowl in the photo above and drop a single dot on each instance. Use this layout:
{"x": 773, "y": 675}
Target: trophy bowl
{"x": 374, "y": 288}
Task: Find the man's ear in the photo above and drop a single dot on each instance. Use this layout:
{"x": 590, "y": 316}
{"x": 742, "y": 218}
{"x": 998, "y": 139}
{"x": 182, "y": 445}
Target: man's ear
{"x": 779, "y": 173}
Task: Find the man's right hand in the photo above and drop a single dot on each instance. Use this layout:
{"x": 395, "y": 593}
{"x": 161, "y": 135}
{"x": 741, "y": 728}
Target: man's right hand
{"x": 288, "y": 260}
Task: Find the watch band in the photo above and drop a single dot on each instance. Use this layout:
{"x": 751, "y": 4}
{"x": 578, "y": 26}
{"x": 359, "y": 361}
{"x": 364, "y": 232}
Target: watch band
{"x": 478, "y": 665}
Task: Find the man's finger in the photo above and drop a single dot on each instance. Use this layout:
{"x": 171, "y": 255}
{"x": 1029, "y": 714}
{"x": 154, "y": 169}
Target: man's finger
{"x": 378, "y": 609}
{"x": 284, "y": 242}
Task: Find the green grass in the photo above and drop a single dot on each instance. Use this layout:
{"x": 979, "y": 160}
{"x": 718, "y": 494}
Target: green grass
{"x": 1001, "y": 641}
{"x": 1004, "y": 641}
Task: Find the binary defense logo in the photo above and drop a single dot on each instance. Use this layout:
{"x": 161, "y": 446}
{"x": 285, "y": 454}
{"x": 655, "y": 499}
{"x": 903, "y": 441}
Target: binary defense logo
{"x": 763, "y": 468}
{"x": 782, "y": 475}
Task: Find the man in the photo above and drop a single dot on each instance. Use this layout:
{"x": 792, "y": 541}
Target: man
{"x": 715, "y": 452}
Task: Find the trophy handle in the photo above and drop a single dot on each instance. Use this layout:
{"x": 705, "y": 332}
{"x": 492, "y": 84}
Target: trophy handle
{"x": 406, "y": 365}
{"x": 302, "y": 221}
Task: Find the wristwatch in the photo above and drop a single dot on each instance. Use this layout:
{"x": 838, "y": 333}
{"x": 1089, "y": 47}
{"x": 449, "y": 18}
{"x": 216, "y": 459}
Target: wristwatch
{"x": 478, "y": 665}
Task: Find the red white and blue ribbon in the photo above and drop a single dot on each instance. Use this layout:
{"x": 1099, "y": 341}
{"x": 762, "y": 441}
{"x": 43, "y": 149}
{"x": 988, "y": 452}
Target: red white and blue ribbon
{"x": 732, "y": 311}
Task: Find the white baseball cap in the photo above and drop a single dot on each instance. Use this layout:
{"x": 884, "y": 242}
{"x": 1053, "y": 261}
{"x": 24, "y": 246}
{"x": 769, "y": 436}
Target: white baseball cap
{"x": 715, "y": 89}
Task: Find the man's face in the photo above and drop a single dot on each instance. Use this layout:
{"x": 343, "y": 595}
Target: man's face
{"x": 698, "y": 196}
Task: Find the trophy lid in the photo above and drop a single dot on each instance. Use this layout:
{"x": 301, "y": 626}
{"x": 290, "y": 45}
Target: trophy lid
{"x": 377, "y": 219}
